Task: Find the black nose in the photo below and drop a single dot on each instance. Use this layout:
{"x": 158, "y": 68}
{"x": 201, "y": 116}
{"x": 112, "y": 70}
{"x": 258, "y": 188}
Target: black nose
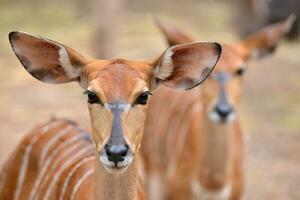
{"x": 116, "y": 152}
{"x": 223, "y": 110}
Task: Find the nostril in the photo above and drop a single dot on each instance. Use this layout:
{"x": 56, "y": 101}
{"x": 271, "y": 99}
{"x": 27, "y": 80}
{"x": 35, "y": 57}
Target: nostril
{"x": 116, "y": 153}
{"x": 106, "y": 146}
{"x": 108, "y": 153}
{"x": 107, "y": 149}
{"x": 126, "y": 147}
{"x": 223, "y": 110}
{"x": 125, "y": 150}
{"x": 124, "y": 153}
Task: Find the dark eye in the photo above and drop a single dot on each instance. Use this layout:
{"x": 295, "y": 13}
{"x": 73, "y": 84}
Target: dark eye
{"x": 240, "y": 71}
{"x": 92, "y": 97}
{"x": 143, "y": 98}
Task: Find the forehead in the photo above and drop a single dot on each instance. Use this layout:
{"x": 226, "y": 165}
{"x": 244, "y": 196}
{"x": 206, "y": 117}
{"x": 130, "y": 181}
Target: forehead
{"x": 119, "y": 80}
{"x": 230, "y": 59}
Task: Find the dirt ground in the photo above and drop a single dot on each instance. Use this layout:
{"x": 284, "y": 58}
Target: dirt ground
{"x": 271, "y": 116}
{"x": 270, "y": 107}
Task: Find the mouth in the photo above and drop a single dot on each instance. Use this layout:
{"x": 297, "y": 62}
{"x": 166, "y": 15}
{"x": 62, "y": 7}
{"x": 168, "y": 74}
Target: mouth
{"x": 115, "y": 167}
{"x": 215, "y": 117}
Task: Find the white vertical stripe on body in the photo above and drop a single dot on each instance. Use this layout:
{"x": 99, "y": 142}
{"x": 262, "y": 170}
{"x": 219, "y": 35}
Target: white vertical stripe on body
{"x": 24, "y": 164}
{"x": 4, "y": 172}
{"x": 70, "y": 174}
{"x": 67, "y": 164}
{"x": 80, "y": 181}
{"x": 40, "y": 176}
{"x": 183, "y": 130}
{"x": 52, "y": 141}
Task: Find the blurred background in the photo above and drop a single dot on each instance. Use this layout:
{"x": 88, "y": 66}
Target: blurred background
{"x": 270, "y": 108}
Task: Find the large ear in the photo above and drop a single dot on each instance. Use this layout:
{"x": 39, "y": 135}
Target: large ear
{"x": 187, "y": 65}
{"x": 265, "y": 41}
{"x": 46, "y": 60}
{"x": 173, "y": 34}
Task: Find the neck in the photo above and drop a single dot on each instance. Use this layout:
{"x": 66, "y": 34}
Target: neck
{"x": 121, "y": 186}
{"x": 216, "y": 153}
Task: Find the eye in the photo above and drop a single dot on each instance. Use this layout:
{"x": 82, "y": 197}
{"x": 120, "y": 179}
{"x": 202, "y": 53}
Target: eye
{"x": 143, "y": 98}
{"x": 92, "y": 97}
{"x": 240, "y": 71}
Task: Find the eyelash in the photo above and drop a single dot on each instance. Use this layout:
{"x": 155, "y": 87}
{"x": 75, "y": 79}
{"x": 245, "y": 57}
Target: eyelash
{"x": 92, "y": 97}
{"x": 143, "y": 98}
{"x": 240, "y": 72}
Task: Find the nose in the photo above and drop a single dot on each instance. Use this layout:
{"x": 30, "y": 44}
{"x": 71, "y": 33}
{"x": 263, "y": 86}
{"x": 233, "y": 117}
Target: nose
{"x": 223, "y": 110}
{"x": 116, "y": 152}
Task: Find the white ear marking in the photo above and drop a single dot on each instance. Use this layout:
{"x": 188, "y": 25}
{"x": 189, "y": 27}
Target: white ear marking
{"x": 146, "y": 89}
{"x": 65, "y": 62}
{"x": 17, "y": 50}
{"x": 167, "y": 63}
{"x": 63, "y": 56}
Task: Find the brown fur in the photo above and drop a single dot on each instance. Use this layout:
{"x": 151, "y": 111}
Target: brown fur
{"x": 112, "y": 81}
{"x": 15, "y": 163}
{"x": 181, "y": 145}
